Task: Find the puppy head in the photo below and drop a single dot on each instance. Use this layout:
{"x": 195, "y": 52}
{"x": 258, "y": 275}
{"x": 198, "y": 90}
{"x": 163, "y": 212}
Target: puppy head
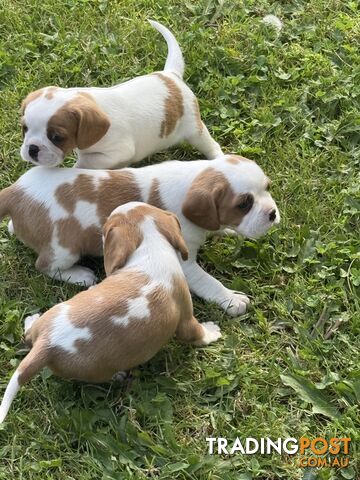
{"x": 126, "y": 228}
{"x": 55, "y": 121}
{"x": 233, "y": 192}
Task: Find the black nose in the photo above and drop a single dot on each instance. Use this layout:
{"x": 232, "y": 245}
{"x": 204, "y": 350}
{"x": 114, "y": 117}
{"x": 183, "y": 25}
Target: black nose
{"x": 272, "y": 215}
{"x": 33, "y": 151}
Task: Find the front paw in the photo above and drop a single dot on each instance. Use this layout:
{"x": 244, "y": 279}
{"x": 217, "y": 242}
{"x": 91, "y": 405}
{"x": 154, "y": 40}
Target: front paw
{"x": 235, "y": 304}
{"x": 211, "y": 332}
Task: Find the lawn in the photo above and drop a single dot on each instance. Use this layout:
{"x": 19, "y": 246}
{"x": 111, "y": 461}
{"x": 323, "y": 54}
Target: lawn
{"x": 290, "y": 367}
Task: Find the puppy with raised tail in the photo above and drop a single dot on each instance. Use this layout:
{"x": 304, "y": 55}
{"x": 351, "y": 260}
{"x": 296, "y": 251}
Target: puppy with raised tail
{"x": 116, "y": 126}
{"x": 126, "y": 319}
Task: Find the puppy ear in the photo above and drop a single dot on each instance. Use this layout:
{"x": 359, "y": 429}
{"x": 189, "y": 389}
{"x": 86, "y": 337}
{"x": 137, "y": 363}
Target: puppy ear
{"x": 93, "y": 123}
{"x": 169, "y": 226}
{"x": 120, "y": 241}
{"x": 201, "y": 204}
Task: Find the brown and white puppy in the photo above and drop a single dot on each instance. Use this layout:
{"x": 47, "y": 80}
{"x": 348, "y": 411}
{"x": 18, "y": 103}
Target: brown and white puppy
{"x": 116, "y": 126}
{"x": 125, "y": 320}
{"x": 59, "y": 212}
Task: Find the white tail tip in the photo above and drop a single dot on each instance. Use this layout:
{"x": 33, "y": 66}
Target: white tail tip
{"x": 10, "y": 392}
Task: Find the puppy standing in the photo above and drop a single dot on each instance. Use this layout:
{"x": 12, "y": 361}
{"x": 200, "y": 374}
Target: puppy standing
{"x": 125, "y": 320}
{"x": 112, "y": 127}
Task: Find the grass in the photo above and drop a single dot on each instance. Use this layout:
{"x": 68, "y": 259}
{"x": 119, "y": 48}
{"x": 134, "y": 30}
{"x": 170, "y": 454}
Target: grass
{"x": 290, "y": 367}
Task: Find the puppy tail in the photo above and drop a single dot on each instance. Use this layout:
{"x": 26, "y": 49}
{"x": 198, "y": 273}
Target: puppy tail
{"x": 34, "y": 361}
{"x": 175, "y": 60}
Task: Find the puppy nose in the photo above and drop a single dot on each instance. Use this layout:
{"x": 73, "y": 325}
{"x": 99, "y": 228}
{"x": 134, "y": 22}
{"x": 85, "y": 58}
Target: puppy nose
{"x": 272, "y": 215}
{"x": 33, "y": 151}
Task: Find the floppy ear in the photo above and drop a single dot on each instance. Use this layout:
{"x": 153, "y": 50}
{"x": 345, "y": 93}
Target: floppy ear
{"x": 169, "y": 226}
{"x": 93, "y": 122}
{"x": 121, "y": 241}
{"x": 200, "y": 206}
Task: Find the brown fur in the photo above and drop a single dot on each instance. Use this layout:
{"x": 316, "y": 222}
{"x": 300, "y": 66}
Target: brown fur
{"x": 199, "y": 123}
{"x": 166, "y": 222}
{"x": 174, "y": 106}
{"x": 80, "y": 121}
{"x": 50, "y": 92}
{"x": 210, "y": 201}
{"x": 111, "y": 192}
{"x": 154, "y": 195}
{"x": 121, "y": 239}
{"x": 236, "y": 159}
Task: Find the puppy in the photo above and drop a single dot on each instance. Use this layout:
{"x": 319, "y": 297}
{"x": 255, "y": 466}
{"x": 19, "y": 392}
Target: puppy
{"x": 124, "y": 320}
{"x": 59, "y": 212}
{"x": 113, "y": 127}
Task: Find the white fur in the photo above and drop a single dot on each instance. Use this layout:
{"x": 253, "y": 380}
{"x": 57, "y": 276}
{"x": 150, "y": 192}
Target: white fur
{"x": 211, "y": 332}
{"x": 64, "y": 334}
{"x": 174, "y": 180}
{"x": 136, "y": 110}
{"x": 10, "y": 392}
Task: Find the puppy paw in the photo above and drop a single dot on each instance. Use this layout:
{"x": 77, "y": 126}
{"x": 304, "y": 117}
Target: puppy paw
{"x": 119, "y": 377}
{"x": 235, "y": 304}
{"x": 82, "y": 275}
{"x": 211, "y": 333}
{"x": 29, "y": 320}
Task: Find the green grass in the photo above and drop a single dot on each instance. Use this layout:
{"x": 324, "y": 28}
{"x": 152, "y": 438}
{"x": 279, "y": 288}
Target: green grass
{"x": 289, "y": 101}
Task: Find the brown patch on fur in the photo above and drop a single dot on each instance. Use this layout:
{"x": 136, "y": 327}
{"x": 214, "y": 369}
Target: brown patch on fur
{"x": 174, "y": 106}
{"x": 154, "y": 195}
{"x": 199, "y": 123}
{"x": 50, "y": 92}
{"x": 210, "y": 202}
{"x": 30, "y": 98}
{"x": 68, "y": 194}
{"x": 236, "y": 159}
{"x": 119, "y": 188}
{"x": 80, "y": 122}
{"x": 169, "y": 227}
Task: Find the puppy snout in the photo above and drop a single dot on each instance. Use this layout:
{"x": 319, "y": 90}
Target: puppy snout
{"x": 272, "y": 215}
{"x": 33, "y": 151}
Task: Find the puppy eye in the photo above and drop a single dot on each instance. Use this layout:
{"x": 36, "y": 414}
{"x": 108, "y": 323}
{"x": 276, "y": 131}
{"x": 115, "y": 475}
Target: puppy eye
{"x": 246, "y": 203}
{"x": 56, "y": 139}
{"x": 267, "y": 188}
{"x": 24, "y": 129}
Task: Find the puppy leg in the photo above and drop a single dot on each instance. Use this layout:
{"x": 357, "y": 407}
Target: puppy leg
{"x": 199, "y": 334}
{"x": 207, "y": 287}
{"x": 63, "y": 269}
{"x": 203, "y": 142}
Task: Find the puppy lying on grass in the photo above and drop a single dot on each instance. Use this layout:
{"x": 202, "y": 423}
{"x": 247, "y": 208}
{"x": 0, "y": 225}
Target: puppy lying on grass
{"x": 116, "y": 126}
{"x": 59, "y": 212}
{"x": 124, "y": 320}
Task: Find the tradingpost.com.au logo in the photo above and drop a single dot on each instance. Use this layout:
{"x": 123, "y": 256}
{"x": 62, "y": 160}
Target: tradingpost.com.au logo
{"x": 317, "y": 452}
